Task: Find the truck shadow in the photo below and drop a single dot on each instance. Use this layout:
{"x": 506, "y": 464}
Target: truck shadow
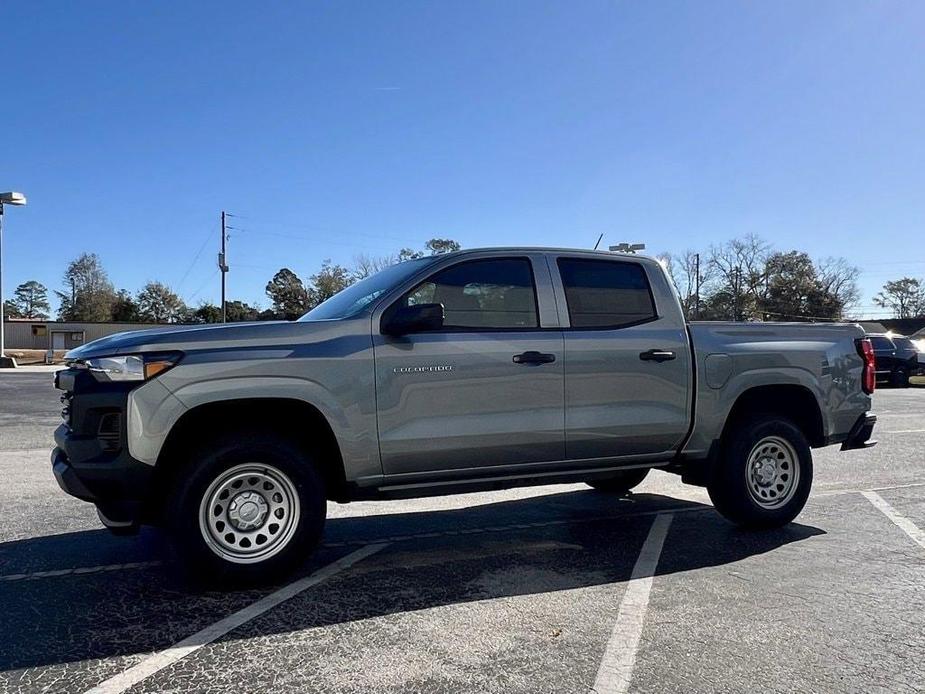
{"x": 529, "y": 546}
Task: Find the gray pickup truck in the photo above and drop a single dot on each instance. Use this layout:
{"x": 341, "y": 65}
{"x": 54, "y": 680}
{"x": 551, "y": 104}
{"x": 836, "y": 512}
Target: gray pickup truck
{"x": 473, "y": 370}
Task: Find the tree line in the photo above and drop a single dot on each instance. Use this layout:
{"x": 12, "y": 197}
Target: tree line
{"x": 747, "y": 279}
{"x": 88, "y": 294}
{"x": 741, "y": 279}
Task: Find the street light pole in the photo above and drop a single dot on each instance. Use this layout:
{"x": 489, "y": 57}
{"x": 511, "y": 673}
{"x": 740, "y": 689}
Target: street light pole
{"x": 6, "y": 199}
{"x": 2, "y": 329}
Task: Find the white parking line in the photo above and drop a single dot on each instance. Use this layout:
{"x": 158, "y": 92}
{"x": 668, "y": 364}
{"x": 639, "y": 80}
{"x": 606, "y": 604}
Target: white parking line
{"x": 79, "y": 570}
{"x": 909, "y": 485}
{"x": 904, "y": 524}
{"x": 903, "y": 431}
{"x": 446, "y": 533}
{"x": 158, "y": 661}
{"x": 616, "y": 668}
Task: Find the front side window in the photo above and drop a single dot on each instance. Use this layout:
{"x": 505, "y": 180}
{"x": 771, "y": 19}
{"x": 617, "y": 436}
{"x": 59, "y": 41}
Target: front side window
{"x": 489, "y": 294}
{"x": 606, "y": 293}
{"x": 355, "y": 298}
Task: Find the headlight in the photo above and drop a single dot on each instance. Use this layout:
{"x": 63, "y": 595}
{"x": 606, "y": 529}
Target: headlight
{"x": 131, "y": 367}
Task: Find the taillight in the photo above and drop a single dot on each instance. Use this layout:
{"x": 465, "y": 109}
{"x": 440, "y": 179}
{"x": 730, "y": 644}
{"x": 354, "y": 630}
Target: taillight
{"x": 868, "y": 376}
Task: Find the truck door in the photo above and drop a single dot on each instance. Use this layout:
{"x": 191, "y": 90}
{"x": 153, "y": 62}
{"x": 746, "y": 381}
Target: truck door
{"x": 487, "y": 388}
{"x": 627, "y": 360}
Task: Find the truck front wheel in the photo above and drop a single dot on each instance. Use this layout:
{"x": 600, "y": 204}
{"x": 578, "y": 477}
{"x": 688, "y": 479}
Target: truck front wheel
{"x": 764, "y": 473}
{"x": 246, "y": 509}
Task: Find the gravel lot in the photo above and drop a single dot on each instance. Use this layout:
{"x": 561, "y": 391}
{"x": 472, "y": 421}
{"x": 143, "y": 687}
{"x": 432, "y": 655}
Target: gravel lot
{"x": 551, "y": 589}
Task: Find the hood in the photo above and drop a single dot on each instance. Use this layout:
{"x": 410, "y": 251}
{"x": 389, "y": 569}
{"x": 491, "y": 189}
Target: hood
{"x": 209, "y": 337}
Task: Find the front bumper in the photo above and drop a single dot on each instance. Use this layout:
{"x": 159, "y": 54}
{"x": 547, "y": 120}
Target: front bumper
{"x": 91, "y": 460}
{"x": 67, "y": 478}
{"x": 859, "y": 436}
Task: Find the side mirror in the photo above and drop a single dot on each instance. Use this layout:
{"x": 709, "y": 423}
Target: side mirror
{"x": 414, "y": 319}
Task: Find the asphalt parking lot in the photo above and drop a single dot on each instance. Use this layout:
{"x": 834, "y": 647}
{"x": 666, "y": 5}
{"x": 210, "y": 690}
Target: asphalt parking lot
{"x": 551, "y": 589}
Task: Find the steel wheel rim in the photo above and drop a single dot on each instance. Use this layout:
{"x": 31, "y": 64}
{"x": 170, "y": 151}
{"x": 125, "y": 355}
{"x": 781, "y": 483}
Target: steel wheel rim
{"x": 249, "y": 513}
{"x": 772, "y": 472}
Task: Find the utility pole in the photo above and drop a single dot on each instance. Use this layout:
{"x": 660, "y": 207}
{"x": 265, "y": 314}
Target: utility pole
{"x": 222, "y": 266}
{"x": 697, "y": 286}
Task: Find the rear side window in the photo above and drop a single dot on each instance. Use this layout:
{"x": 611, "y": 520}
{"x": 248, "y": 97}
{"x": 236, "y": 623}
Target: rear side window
{"x": 606, "y": 293}
{"x": 881, "y": 343}
{"x": 488, "y": 294}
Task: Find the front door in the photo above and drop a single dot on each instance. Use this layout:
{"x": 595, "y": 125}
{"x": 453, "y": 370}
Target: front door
{"x": 486, "y": 390}
{"x": 627, "y": 369}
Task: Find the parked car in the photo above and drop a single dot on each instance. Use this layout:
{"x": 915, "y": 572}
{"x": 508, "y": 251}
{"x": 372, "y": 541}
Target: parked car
{"x": 919, "y": 347}
{"x": 907, "y": 346}
{"x": 896, "y": 358}
{"x": 472, "y": 370}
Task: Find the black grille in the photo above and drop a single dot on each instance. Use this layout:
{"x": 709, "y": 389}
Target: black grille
{"x": 109, "y": 431}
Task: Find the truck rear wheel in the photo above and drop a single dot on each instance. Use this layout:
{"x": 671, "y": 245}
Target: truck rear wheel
{"x": 764, "y": 473}
{"x": 621, "y": 482}
{"x": 247, "y": 509}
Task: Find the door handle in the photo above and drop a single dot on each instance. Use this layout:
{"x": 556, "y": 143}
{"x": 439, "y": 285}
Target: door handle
{"x": 658, "y": 355}
{"x": 534, "y": 358}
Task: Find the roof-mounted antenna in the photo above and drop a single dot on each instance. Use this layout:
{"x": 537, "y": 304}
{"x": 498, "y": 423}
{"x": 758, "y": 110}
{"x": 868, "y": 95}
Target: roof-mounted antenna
{"x": 598, "y": 241}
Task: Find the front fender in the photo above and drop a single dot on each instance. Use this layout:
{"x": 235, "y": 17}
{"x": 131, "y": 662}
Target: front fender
{"x": 350, "y": 413}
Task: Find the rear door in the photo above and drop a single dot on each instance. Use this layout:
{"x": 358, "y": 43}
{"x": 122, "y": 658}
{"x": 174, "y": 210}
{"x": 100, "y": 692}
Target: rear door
{"x": 627, "y": 360}
{"x": 486, "y": 390}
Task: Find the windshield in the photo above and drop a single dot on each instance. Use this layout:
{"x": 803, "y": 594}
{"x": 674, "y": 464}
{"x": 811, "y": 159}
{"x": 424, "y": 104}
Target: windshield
{"x": 350, "y": 301}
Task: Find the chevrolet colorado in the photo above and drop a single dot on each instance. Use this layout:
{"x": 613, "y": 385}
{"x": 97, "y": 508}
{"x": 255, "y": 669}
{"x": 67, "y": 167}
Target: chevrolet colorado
{"x": 471, "y": 370}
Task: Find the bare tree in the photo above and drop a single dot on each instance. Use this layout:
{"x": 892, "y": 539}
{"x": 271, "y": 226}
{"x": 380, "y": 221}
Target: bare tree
{"x": 839, "y": 279}
{"x": 740, "y": 267}
{"x": 365, "y": 265}
{"x": 683, "y": 269}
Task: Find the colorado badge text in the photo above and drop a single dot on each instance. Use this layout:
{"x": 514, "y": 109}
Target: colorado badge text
{"x": 422, "y": 369}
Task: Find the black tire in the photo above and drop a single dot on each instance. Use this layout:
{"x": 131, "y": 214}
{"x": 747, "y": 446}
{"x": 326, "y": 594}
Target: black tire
{"x": 731, "y": 487}
{"x": 271, "y": 460}
{"x": 900, "y": 378}
{"x": 620, "y": 482}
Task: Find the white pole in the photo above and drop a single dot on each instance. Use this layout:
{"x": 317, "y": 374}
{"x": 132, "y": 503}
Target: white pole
{"x": 1, "y": 282}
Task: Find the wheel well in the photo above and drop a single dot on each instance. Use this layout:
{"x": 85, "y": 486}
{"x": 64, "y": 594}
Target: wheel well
{"x": 295, "y": 419}
{"x": 795, "y": 402}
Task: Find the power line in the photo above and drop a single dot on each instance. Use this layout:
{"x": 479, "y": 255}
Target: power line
{"x": 195, "y": 258}
{"x": 203, "y": 285}
{"x": 262, "y": 221}
{"x": 325, "y": 242}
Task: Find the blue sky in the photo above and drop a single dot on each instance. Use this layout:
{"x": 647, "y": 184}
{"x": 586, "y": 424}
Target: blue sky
{"x": 337, "y": 128}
